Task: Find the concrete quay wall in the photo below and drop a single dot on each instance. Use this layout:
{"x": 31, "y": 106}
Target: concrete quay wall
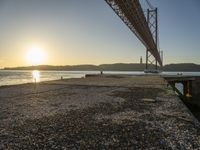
{"x": 196, "y": 89}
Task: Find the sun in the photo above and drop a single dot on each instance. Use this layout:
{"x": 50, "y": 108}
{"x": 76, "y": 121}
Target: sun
{"x": 35, "y": 56}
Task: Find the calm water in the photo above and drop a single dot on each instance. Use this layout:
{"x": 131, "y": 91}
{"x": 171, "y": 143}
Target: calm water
{"x": 18, "y": 77}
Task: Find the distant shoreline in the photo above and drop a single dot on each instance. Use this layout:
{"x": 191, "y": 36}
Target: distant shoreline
{"x": 182, "y": 67}
{"x": 93, "y": 70}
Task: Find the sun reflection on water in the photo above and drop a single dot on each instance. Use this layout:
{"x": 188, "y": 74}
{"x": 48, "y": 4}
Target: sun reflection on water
{"x": 36, "y": 75}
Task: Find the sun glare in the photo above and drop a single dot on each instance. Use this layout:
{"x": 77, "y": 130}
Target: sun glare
{"x": 36, "y": 56}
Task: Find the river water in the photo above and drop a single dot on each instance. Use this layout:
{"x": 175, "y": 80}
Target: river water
{"x": 11, "y": 77}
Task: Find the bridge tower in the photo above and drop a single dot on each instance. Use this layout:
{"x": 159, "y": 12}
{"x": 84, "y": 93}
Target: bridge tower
{"x": 152, "y": 20}
{"x": 141, "y": 62}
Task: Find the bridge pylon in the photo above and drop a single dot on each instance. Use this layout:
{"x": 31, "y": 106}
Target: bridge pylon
{"x": 152, "y": 20}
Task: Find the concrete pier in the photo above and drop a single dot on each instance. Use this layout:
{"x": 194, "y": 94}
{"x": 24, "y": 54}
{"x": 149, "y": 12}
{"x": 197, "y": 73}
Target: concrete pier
{"x": 190, "y": 93}
{"x": 96, "y": 112}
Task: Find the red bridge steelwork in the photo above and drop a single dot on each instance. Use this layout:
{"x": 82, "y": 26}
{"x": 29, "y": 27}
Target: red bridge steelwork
{"x": 131, "y": 13}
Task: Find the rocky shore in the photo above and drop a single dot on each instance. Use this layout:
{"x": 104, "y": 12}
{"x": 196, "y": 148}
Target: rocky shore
{"x": 138, "y": 112}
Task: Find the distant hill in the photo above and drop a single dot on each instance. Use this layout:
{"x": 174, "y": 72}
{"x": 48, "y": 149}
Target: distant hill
{"x": 48, "y": 67}
{"x": 185, "y": 67}
{"x": 111, "y": 67}
{"x": 103, "y": 67}
{"x": 122, "y": 67}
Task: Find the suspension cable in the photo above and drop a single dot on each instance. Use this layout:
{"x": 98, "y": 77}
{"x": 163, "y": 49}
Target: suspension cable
{"x": 150, "y": 5}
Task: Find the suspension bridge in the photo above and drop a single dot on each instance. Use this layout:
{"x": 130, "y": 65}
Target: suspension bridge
{"x": 145, "y": 27}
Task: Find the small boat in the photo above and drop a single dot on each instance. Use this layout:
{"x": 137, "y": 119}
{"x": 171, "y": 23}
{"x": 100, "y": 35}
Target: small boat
{"x": 152, "y": 71}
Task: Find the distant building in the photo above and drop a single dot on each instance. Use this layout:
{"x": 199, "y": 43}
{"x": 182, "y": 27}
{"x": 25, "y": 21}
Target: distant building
{"x": 141, "y": 60}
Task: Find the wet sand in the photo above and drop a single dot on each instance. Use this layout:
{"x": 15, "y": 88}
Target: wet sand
{"x": 101, "y": 112}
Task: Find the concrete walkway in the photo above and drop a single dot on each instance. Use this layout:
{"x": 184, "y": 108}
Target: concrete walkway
{"x": 99, "y": 112}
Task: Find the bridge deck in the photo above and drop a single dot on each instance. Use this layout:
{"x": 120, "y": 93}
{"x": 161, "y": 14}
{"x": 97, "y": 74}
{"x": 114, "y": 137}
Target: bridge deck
{"x": 102, "y": 112}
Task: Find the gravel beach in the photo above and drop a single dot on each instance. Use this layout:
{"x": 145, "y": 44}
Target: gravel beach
{"x": 138, "y": 112}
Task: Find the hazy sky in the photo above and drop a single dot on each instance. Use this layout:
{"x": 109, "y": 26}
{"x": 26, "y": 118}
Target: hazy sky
{"x": 89, "y": 32}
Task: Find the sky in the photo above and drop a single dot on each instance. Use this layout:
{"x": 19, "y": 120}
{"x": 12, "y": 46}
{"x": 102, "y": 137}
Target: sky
{"x": 71, "y": 32}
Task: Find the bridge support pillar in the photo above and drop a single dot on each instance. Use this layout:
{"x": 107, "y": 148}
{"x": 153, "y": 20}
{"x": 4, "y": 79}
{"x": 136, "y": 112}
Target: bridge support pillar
{"x": 187, "y": 88}
{"x": 152, "y": 20}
